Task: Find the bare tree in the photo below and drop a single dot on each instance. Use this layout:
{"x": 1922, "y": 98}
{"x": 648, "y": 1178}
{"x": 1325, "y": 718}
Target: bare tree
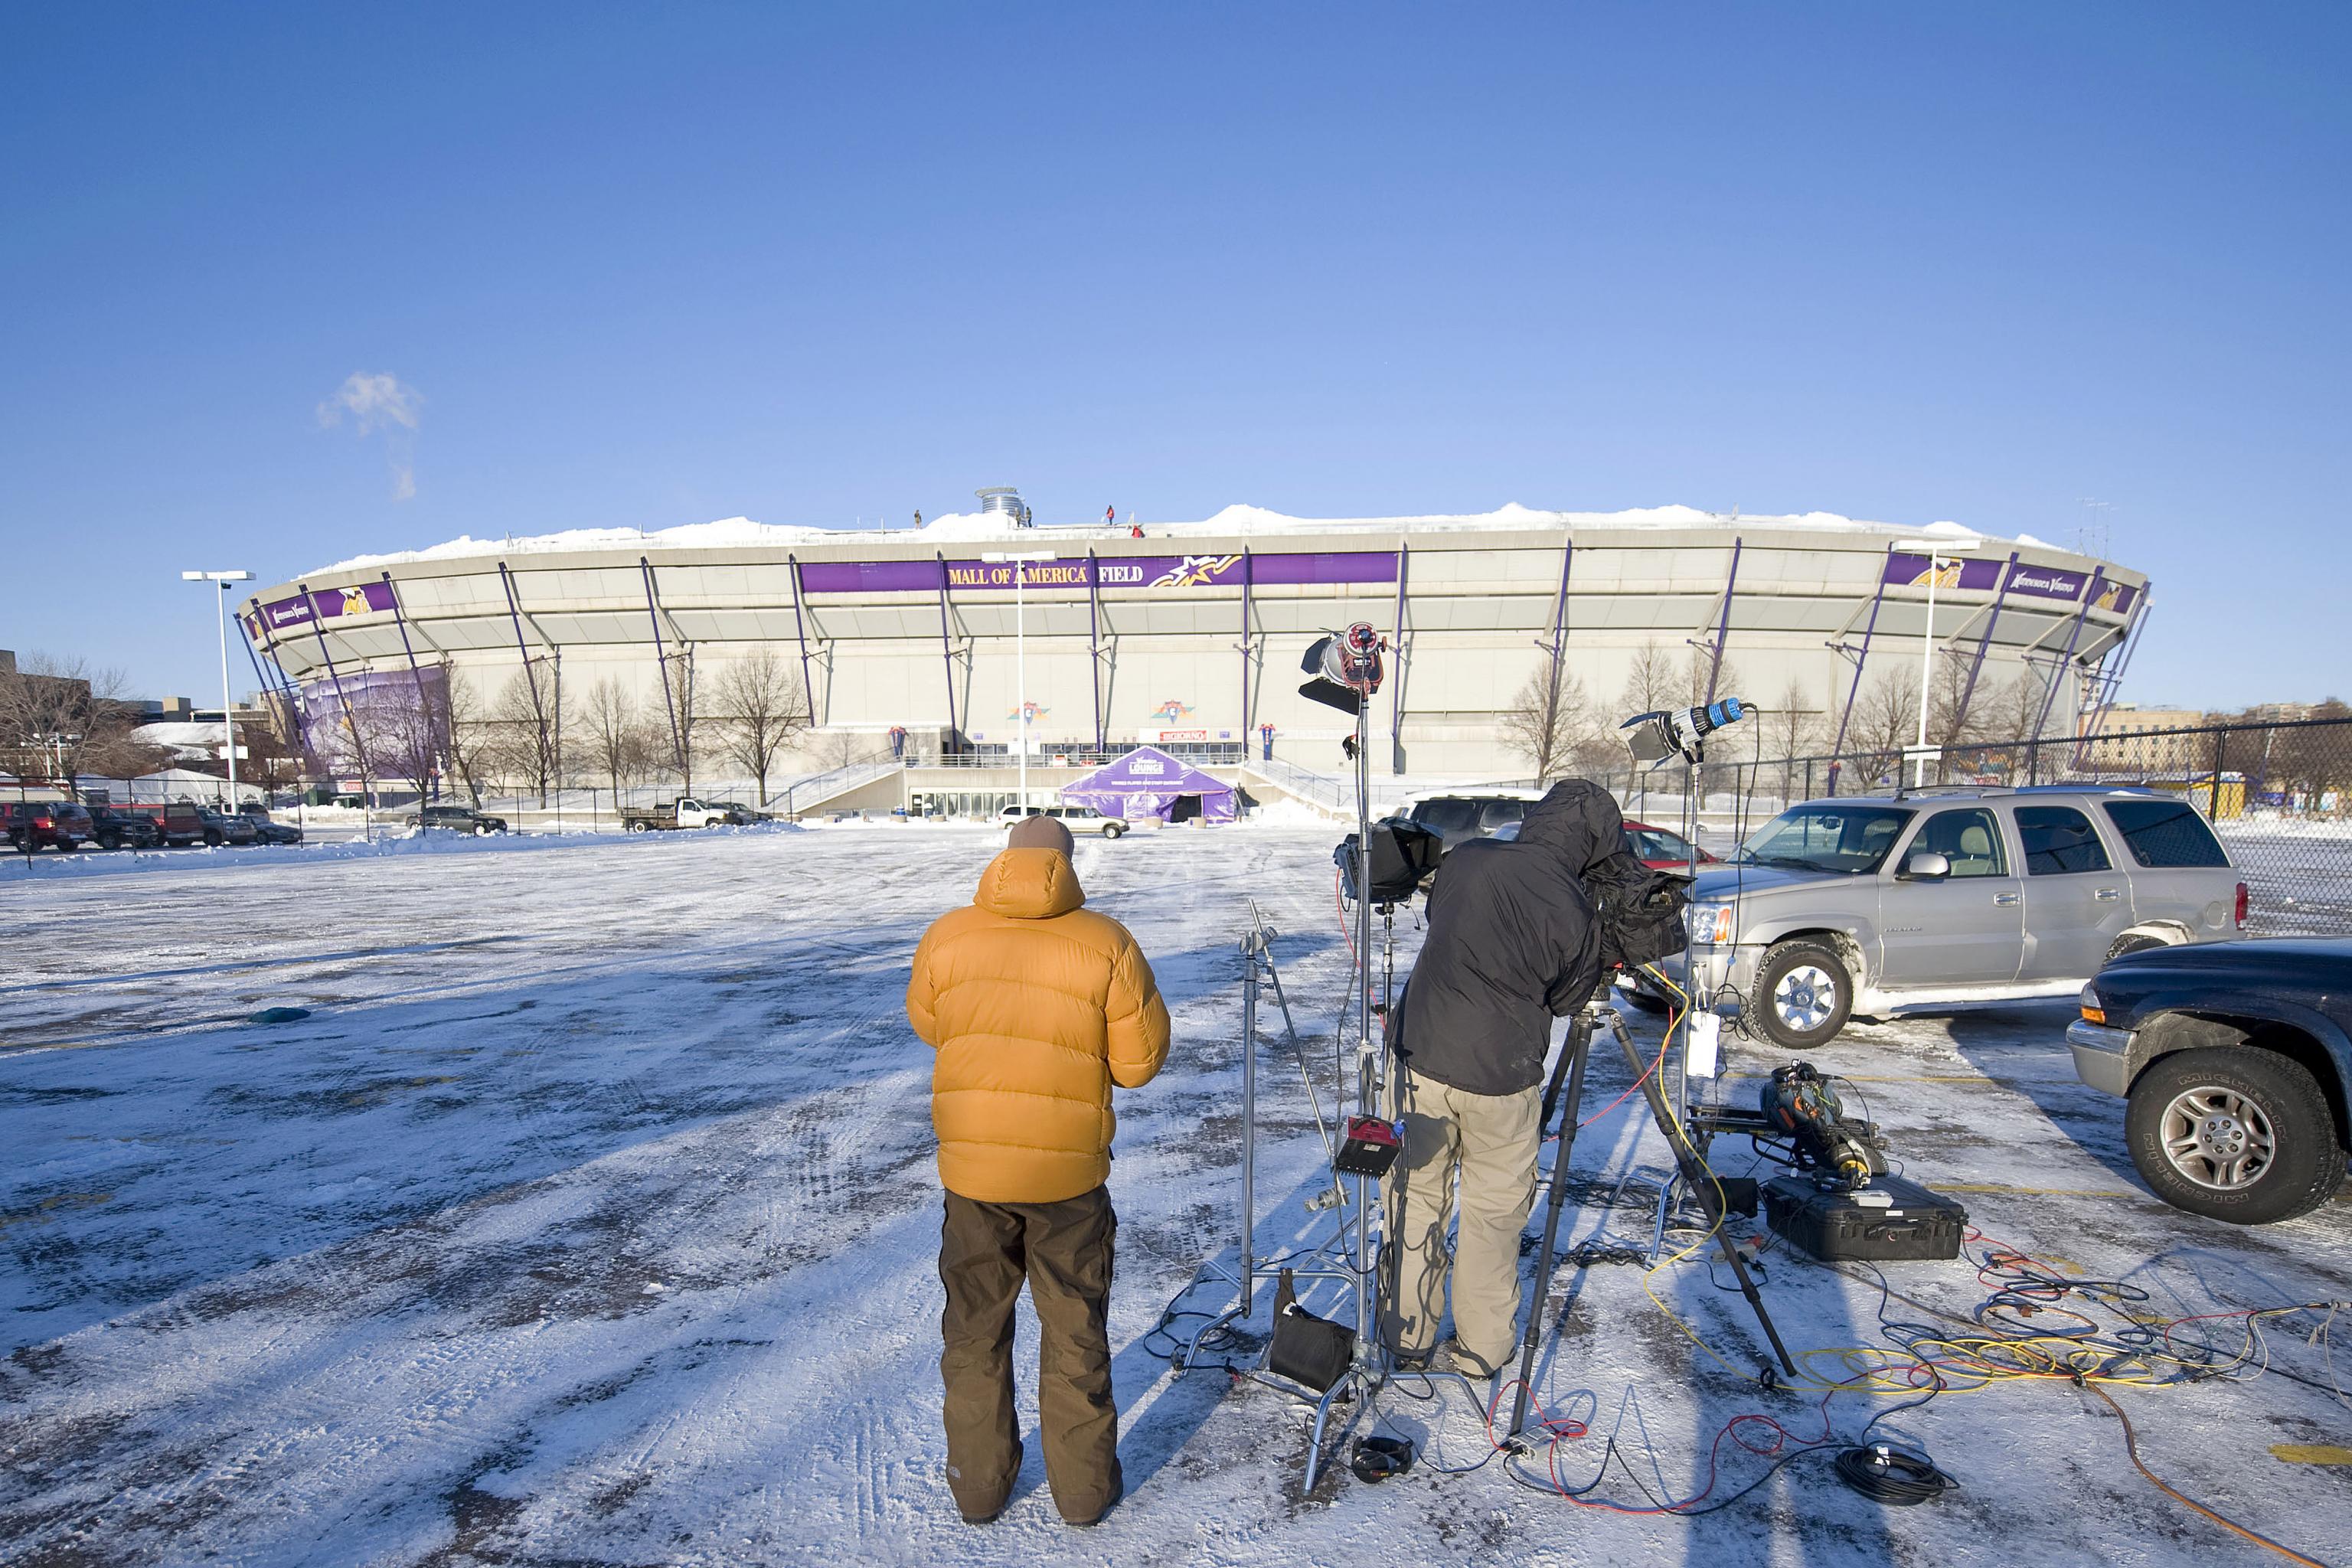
{"x": 1547, "y": 720}
{"x": 838, "y": 748}
{"x": 1886, "y": 717}
{"x": 1697, "y": 671}
{"x": 528, "y": 745}
{"x": 59, "y": 715}
{"x": 470, "y": 732}
{"x": 405, "y": 740}
{"x": 761, "y": 705}
{"x": 1651, "y": 684}
{"x": 621, "y": 743}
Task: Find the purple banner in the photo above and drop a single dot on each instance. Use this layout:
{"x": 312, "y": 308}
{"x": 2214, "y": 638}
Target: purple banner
{"x": 2047, "y": 581}
{"x": 1906, "y": 570}
{"x": 365, "y": 598}
{"x": 1163, "y": 573}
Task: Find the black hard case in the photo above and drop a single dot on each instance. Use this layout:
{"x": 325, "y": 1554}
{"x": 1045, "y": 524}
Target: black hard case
{"x": 1832, "y": 1227}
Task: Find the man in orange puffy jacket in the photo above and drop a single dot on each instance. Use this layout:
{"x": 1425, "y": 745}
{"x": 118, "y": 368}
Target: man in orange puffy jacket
{"x": 1035, "y": 1006}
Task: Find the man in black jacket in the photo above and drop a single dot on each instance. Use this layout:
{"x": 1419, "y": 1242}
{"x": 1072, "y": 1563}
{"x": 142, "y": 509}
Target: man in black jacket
{"x": 1513, "y": 944}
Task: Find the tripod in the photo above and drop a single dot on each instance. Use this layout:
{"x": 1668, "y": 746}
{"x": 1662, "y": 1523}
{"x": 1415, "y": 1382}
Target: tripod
{"x": 1693, "y": 1172}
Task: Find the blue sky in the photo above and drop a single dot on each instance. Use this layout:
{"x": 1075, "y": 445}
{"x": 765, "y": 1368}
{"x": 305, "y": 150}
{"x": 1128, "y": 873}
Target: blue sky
{"x": 658, "y": 265}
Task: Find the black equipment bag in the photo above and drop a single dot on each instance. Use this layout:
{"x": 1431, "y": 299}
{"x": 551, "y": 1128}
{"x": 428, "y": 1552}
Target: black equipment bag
{"x": 1310, "y": 1350}
{"x": 1833, "y": 1225}
{"x": 1640, "y": 911}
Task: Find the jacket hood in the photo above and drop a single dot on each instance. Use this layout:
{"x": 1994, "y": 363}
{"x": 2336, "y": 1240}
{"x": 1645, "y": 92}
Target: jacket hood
{"x": 1029, "y": 885}
{"x": 1577, "y": 820}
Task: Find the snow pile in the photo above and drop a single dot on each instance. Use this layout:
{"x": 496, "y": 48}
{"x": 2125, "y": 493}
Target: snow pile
{"x": 1239, "y": 520}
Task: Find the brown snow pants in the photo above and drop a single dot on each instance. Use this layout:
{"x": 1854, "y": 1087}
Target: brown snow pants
{"x": 1064, "y": 1250}
{"x": 1490, "y": 1143}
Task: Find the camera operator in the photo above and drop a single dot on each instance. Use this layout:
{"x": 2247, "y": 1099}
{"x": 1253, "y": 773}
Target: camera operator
{"x": 1514, "y": 942}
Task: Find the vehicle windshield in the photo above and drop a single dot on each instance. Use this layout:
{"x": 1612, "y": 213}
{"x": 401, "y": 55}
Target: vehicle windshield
{"x": 1825, "y": 836}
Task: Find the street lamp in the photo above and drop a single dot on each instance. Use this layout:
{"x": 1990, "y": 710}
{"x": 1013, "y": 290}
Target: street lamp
{"x": 1020, "y": 560}
{"x": 1941, "y": 552}
{"x": 220, "y": 615}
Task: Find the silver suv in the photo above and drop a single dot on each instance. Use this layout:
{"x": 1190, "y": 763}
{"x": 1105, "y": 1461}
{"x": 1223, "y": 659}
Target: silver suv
{"x": 1938, "y": 898}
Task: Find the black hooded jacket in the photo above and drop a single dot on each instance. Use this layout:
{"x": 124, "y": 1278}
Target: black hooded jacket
{"x": 1513, "y": 944}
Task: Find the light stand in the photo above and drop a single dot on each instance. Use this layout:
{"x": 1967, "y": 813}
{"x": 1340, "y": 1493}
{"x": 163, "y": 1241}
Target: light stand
{"x": 1258, "y": 971}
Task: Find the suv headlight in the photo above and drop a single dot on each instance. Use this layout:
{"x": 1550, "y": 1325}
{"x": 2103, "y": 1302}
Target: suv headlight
{"x": 1711, "y": 925}
{"x": 2094, "y": 1011}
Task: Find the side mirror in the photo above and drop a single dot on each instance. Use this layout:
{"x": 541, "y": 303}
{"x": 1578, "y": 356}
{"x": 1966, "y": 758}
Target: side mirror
{"x": 1924, "y": 866}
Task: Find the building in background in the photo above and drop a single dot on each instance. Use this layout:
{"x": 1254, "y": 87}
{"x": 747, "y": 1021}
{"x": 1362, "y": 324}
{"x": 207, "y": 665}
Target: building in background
{"x": 1191, "y": 637}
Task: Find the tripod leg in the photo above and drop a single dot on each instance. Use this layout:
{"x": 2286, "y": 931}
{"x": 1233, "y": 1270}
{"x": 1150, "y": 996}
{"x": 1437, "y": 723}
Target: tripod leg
{"x": 1695, "y": 1177}
{"x": 1571, "y": 1059}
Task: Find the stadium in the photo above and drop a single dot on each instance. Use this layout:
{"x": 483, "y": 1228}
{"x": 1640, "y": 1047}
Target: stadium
{"x": 1189, "y": 635}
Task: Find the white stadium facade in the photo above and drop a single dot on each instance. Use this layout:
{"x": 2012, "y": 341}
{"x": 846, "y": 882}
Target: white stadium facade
{"x": 1190, "y": 635}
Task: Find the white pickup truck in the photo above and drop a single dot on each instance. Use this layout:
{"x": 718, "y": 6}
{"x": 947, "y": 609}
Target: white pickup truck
{"x": 683, "y": 812}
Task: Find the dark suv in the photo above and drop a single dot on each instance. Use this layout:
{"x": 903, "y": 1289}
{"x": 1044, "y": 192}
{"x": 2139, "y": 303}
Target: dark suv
{"x": 225, "y": 827}
{"x": 267, "y": 830}
{"x": 1457, "y": 819}
{"x": 455, "y": 818}
{"x": 115, "y": 828}
{"x": 46, "y": 824}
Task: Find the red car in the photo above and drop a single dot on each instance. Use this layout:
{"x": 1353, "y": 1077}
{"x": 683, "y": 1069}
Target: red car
{"x": 33, "y": 824}
{"x": 1659, "y": 849}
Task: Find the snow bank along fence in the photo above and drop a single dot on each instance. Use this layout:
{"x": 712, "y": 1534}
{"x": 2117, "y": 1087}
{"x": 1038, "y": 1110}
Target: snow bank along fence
{"x": 2279, "y": 795}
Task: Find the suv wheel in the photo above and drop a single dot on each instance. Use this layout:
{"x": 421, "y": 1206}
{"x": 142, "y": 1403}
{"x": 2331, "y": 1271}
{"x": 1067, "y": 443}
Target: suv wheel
{"x": 1803, "y": 996}
{"x": 1113, "y": 829}
{"x": 212, "y": 838}
{"x": 2234, "y": 1133}
{"x": 481, "y": 830}
{"x": 109, "y": 841}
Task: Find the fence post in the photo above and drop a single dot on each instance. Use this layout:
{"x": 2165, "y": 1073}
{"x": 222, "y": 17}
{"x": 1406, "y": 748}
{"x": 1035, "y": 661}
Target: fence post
{"x": 2213, "y": 795}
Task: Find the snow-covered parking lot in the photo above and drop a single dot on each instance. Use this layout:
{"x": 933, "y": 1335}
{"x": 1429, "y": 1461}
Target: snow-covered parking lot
{"x": 588, "y": 1219}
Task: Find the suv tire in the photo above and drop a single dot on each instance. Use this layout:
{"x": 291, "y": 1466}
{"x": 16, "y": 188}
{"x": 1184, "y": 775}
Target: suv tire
{"x": 213, "y": 839}
{"x": 1803, "y": 994}
{"x": 2197, "y": 1118}
{"x": 1113, "y": 829}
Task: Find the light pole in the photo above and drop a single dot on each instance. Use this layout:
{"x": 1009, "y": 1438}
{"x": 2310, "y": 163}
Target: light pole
{"x": 1020, "y": 560}
{"x": 220, "y": 615}
{"x": 1941, "y": 552}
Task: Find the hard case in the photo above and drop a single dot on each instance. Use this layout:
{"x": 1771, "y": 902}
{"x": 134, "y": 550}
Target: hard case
{"x": 1833, "y": 1227}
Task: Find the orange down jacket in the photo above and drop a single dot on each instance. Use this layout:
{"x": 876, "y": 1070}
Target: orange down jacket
{"x": 1035, "y": 1006}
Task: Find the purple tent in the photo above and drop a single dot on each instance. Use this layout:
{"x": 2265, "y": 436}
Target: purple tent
{"x": 1148, "y": 781}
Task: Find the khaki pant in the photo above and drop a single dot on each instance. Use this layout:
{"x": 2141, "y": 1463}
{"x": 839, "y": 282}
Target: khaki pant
{"x": 1064, "y": 1250}
{"x": 1490, "y": 1142}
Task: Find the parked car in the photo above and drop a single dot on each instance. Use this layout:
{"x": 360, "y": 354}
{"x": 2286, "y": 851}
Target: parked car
{"x": 266, "y": 828}
{"x": 1458, "y": 818}
{"x": 38, "y": 824}
{"x": 1867, "y": 904}
{"x": 2233, "y": 1059}
{"x": 1077, "y": 818}
{"x": 178, "y": 821}
{"x": 738, "y": 813}
{"x": 455, "y": 819}
{"x": 225, "y": 827}
{"x": 684, "y": 812}
{"x": 1661, "y": 849}
{"x": 117, "y": 828}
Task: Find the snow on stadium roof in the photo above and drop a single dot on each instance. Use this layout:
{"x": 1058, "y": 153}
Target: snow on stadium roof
{"x": 1234, "y": 520}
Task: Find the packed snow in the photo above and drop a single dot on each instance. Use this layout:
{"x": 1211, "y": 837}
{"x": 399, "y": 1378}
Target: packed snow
{"x": 589, "y": 1217}
{"x": 1232, "y": 521}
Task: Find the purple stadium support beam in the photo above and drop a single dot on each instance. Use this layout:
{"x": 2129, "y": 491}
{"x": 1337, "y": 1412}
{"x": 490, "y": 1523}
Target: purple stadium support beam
{"x": 290, "y": 727}
{"x": 661, "y": 663}
{"x": 2111, "y": 682}
{"x": 351, "y": 722}
{"x": 1094, "y": 647}
{"x": 2073, "y": 635}
{"x": 947, "y": 655}
{"x": 1722, "y": 627}
{"x": 1396, "y": 684}
{"x": 551, "y": 739}
{"x": 1837, "y": 747}
{"x": 1248, "y": 565}
{"x": 799, "y": 630}
{"x": 530, "y": 675}
{"x": 1984, "y": 643}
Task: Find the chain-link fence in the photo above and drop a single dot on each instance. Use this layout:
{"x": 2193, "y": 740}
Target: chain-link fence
{"x": 2279, "y": 795}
